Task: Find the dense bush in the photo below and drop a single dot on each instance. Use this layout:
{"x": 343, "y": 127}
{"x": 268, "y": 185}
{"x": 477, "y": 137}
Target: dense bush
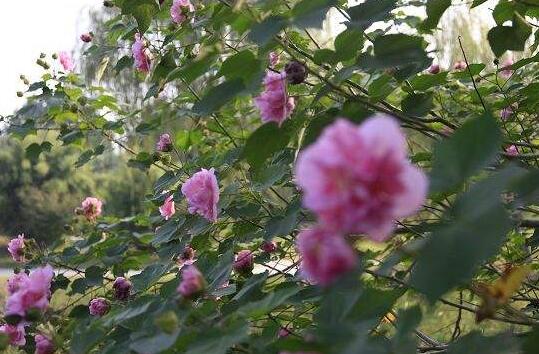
{"x": 311, "y": 199}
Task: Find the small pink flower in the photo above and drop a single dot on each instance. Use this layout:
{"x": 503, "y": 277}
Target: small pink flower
{"x": 142, "y": 60}
{"x": 66, "y": 60}
{"x": 434, "y": 69}
{"x": 358, "y": 179}
{"x": 98, "y": 306}
{"x": 202, "y": 194}
{"x": 460, "y": 65}
{"x": 192, "y": 283}
{"x": 44, "y": 345}
{"x": 274, "y": 103}
{"x": 16, "y": 248}
{"x": 269, "y": 246}
{"x": 168, "y": 209}
{"x": 122, "y": 288}
{"x": 325, "y": 255}
{"x": 32, "y": 292}
{"x": 273, "y": 59}
{"x": 92, "y": 208}
{"x": 187, "y": 257}
{"x": 180, "y": 9}
{"x": 244, "y": 262}
{"x": 506, "y": 113}
{"x": 283, "y": 332}
{"x": 506, "y": 70}
{"x": 86, "y": 37}
{"x": 16, "y": 282}
{"x": 16, "y": 334}
{"x": 511, "y": 150}
{"x": 164, "y": 144}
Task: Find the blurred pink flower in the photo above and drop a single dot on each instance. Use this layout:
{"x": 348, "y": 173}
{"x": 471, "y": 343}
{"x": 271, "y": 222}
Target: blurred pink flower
{"x": 16, "y": 248}
{"x": 98, "y": 306}
{"x": 32, "y": 292}
{"x": 44, "y": 345}
{"x": 511, "y": 150}
{"x": 164, "y": 144}
{"x": 506, "y": 70}
{"x": 273, "y": 59}
{"x": 86, "y": 37}
{"x": 434, "y": 69}
{"x": 202, "y": 194}
{"x": 358, "y": 179}
{"x": 244, "y": 262}
{"x": 15, "y": 282}
{"x": 168, "y": 209}
{"x": 66, "y": 61}
{"x": 283, "y": 332}
{"x": 92, "y": 208}
{"x": 506, "y": 113}
{"x": 325, "y": 255}
{"x": 274, "y": 103}
{"x": 179, "y": 10}
{"x": 122, "y": 288}
{"x": 15, "y": 333}
{"x": 192, "y": 283}
{"x": 460, "y": 65}
{"x": 142, "y": 60}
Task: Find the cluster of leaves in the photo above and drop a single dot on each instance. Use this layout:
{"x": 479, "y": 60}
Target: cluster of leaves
{"x": 478, "y": 225}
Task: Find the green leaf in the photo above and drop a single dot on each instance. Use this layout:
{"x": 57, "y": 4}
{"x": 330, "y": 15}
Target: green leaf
{"x": 263, "y": 32}
{"x": 476, "y": 3}
{"x": 476, "y": 343}
{"x": 164, "y": 67}
{"x": 531, "y": 343}
{"x": 424, "y": 82}
{"x": 86, "y": 337}
{"x": 382, "y": 86}
{"x": 263, "y": 142}
{"x": 219, "y": 340}
{"x": 454, "y": 251}
{"x": 371, "y": 11}
{"x": 417, "y": 104}
{"x": 469, "y": 149}
{"x": 94, "y": 275}
{"x": 142, "y": 10}
{"x": 34, "y": 150}
{"x": 435, "y": 10}
{"x": 154, "y": 344}
{"x": 149, "y": 276}
{"x": 283, "y": 225}
{"x": 503, "y": 38}
{"x": 243, "y": 65}
{"x": 218, "y": 96}
{"x": 311, "y": 13}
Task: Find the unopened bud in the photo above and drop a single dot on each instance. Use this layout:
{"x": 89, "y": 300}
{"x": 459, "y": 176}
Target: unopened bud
{"x": 19, "y": 94}
{"x": 296, "y": 72}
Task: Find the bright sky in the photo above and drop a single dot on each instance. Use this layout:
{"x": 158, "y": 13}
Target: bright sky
{"x": 30, "y": 27}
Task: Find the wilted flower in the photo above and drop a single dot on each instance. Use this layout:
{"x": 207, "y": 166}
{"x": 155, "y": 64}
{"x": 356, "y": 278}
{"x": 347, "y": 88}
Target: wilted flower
{"x": 358, "y": 179}
{"x": 142, "y": 60}
{"x": 66, "y": 60}
{"x": 86, "y": 37}
{"x": 202, "y": 194}
{"x": 164, "y": 144}
{"x": 16, "y": 248}
{"x": 187, "y": 257}
{"x": 269, "y": 246}
{"x": 296, "y": 72}
{"x": 192, "y": 283}
{"x": 122, "y": 288}
{"x": 244, "y": 262}
{"x": 274, "y": 103}
{"x": 168, "y": 209}
{"x": 325, "y": 255}
{"x": 15, "y": 333}
{"x": 180, "y": 9}
{"x": 92, "y": 208}
{"x": 98, "y": 306}
{"x": 44, "y": 345}
{"x": 32, "y": 292}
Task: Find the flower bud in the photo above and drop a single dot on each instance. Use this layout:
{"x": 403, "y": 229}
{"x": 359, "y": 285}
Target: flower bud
{"x": 269, "y": 246}
{"x": 55, "y": 56}
{"x": 244, "y": 262}
{"x": 296, "y": 72}
{"x": 86, "y": 37}
{"x": 122, "y": 288}
{"x": 98, "y": 306}
{"x": 19, "y": 94}
{"x": 192, "y": 284}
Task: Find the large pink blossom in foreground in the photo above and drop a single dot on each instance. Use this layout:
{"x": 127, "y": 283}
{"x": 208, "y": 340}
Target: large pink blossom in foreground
{"x": 325, "y": 255}
{"x": 92, "y": 208}
{"x": 168, "y": 209}
{"x": 274, "y": 103}
{"x": 16, "y": 248}
{"x": 202, "y": 194}
{"x": 16, "y": 282}
{"x": 192, "y": 283}
{"x": 180, "y": 9}
{"x": 32, "y": 292}
{"x": 142, "y": 60}
{"x": 15, "y": 333}
{"x": 66, "y": 60}
{"x": 44, "y": 344}
{"x": 358, "y": 179}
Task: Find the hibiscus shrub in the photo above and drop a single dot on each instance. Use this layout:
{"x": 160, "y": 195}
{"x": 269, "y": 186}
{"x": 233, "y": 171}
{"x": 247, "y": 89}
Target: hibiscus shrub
{"x": 312, "y": 198}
